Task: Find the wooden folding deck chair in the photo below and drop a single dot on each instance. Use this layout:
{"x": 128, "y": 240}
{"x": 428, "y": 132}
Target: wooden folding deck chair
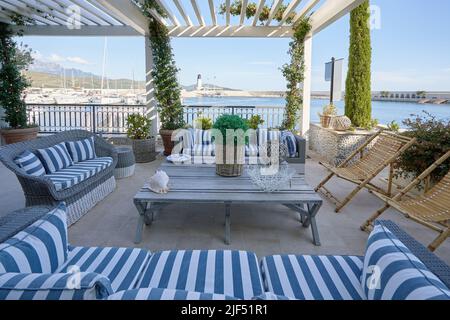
{"x": 384, "y": 152}
{"x": 432, "y": 209}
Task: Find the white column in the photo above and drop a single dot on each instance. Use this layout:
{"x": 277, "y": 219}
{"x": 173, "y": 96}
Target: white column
{"x": 306, "y": 110}
{"x": 149, "y": 87}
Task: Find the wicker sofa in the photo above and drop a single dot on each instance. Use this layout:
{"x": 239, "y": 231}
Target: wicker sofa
{"x": 47, "y": 268}
{"x": 80, "y": 197}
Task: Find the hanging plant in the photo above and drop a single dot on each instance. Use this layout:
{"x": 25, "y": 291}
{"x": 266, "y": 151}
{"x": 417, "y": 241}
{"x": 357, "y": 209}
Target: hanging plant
{"x": 167, "y": 89}
{"x": 236, "y": 8}
{"x": 294, "y": 73}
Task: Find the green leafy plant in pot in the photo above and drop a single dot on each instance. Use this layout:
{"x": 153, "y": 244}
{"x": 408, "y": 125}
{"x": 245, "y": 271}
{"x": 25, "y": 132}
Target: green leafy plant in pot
{"x": 232, "y": 130}
{"x": 13, "y": 61}
{"x": 139, "y": 131}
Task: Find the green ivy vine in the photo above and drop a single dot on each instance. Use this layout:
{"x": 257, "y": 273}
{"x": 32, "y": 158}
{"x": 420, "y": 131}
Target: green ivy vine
{"x": 294, "y": 73}
{"x": 236, "y": 8}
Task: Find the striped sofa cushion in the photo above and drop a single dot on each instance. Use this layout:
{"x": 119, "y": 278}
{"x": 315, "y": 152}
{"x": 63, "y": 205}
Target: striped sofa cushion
{"x": 289, "y": 140}
{"x": 392, "y": 272}
{"x": 265, "y": 135}
{"x": 78, "y": 172}
{"x": 30, "y": 164}
{"x": 271, "y": 297}
{"x": 166, "y": 294}
{"x": 122, "y": 266}
{"x": 57, "y": 286}
{"x": 313, "y": 277}
{"x": 251, "y": 150}
{"x": 55, "y": 158}
{"x": 81, "y": 150}
{"x": 232, "y": 273}
{"x": 40, "y": 248}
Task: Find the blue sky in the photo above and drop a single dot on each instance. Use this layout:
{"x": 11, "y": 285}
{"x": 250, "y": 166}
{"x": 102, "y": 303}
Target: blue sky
{"x": 410, "y": 52}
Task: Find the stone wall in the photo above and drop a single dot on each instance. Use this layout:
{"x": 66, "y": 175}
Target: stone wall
{"x": 335, "y": 146}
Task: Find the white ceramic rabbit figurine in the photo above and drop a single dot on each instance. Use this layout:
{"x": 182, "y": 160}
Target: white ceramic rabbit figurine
{"x": 159, "y": 182}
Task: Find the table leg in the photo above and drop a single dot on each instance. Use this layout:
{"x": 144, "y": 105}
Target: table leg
{"x": 227, "y": 222}
{"x": 313, "y": 208}
{"x": 141, "y": 207}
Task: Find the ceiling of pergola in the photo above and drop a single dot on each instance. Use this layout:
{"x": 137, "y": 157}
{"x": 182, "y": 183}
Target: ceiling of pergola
{"x": 184, "y": 18}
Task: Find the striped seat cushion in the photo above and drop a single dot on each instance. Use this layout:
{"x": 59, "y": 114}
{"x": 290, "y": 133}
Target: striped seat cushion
{"x": 232, "y": 273}
{"x": 30, "y": 164}
{"x": 271, "y": 297}
{"x": 166, "y": 294}
{"x": 251, "y": 150}
{"x": 55, "y": 158}
{"x": 313, "y": 277}
{"x": 78, "y": 172}
{"x": 122, "y": 266}
{"x": 40, "y": 248}
{"x": 57, "y": 286}
{"x": 81, "y": 150}
{"x": 392, "y": 272}
{"x": 289, "y": 140}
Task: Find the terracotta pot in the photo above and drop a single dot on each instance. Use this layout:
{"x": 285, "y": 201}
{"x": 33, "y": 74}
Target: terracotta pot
{"x": 19, "y": 135}
{"x": 166, "y": 136}
{"x": 325, "y": 121}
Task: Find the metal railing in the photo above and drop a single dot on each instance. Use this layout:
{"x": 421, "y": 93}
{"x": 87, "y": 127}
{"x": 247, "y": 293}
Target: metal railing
{"x": 111, "y": 119}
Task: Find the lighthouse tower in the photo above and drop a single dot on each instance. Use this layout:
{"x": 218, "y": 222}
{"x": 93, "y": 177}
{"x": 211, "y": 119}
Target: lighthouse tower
{"x": 199, "y": 82}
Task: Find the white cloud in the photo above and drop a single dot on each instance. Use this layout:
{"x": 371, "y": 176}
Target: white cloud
{"x": 77, "y": 60}
{"x": 56, "y": 58}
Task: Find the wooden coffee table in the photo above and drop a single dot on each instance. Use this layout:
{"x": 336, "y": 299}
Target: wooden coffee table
{"x": 200, "y": 184}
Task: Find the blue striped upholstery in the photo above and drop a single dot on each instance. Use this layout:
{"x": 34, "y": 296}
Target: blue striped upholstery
{"x": 265, "y": 135}
{"x": 82, "y": 150}
{"x": 271, "y": 296}
{"x": 313, "y": 277}
{"x": 392, "y": 272}
{"x": 40, "y": 248}
{"x": 55, "y": 158}
{"x": 166, "y": 294}
{"x": 289, "y": 140}
{"x": 233, "y": 273}
{"x": 57, "y": 286}
{"x": 251, "y": 150}
{"x": 66, "y": 178}
{"x": 30, "y": 164}
{"x": 122, "y": 266}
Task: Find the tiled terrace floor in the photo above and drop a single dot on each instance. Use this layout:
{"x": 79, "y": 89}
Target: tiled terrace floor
{"x": 264, "y": 230}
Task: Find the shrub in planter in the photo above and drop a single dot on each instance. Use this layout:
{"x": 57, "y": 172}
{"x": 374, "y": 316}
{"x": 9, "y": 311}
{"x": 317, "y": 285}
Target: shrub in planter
{"x": 254, "y": 122}
{"x": 433, "y": 140}
{"x": 203, "y": 123}
{"x": 227, "y": 125}
{"x": 138, "y": 130}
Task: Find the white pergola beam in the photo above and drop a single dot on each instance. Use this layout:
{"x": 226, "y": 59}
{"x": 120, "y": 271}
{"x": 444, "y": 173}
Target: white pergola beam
{"x": 258, "y": 12}
{"x": 127, "y": 13}
{"x": 290, "y": 8}
{"x": 88, "y": 31}
{"x": 96, "y": 12}
{"x": 57, "y": 8}
{"x": 16, "y": 9}
{"x": 331, "y": 11}
{"x": 56, "y": 16}
{"x": 198, "y": 13}
{"x": 243, "y": 11}
{"x": 169, "y": 13}
{"x": 307, "y": 80}
{"x": 228, "y": 14}
{"x": 230, "y": 31}
{"x": 183, "y": 13}
{"x": 273, "y": 11}
{"x": 65, "y": 4}
{"x": 305, "y": 10}
{"x": 213, "y": 12}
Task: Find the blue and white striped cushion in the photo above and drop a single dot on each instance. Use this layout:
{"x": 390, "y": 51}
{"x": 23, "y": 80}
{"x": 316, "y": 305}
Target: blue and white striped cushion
{"x": 251, "y": 150}
{"x": 30, "y": 164}
{"x": 313, "y": 277}
{"x": 55, "y": 158}
{"x": 66, "y": 178}
{"x": 82, "y": 150}
{"x": 122, "y": 266}
{"x": 289, "y": 140}
{"x": 232, "y": 273}
{"x": 274, "y": 135}
{"x": 40, "y": 248}
{"x": 166, "y": 294}
{"x": 271, "y": 297}
{"x": 395, "y": 273}
{"x": 57, "y": 286}
{"x": 262, "y": 137}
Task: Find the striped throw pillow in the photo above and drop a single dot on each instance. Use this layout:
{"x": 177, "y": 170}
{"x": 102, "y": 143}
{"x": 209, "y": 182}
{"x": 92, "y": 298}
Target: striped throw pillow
{"x": 289, "y": 140}
{"x": 82, "y": 150}
{"x": 392, "y": 272}
{"x": 40, "y": 248}
{"x": 55, "y": 158}
{"x": 30, "y": 163}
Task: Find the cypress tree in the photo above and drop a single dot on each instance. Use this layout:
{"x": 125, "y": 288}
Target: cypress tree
{"x": 358, "y": 98}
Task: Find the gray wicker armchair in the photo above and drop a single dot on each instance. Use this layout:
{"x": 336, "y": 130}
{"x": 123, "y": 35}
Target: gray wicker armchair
{"x": 79, "y": 198}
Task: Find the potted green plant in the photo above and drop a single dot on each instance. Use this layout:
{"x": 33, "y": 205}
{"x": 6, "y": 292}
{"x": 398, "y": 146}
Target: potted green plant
{"x": 203, "y": 123}
{"x": 13, "y": 83}
{"x": 227, "y": 125}
{"x": 138, "y": 130}
{"x": 254, "y": 122}
{"x": 329, "y": 111}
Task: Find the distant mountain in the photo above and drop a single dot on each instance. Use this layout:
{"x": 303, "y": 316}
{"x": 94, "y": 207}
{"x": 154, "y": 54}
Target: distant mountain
{"x": 57, "y": 69}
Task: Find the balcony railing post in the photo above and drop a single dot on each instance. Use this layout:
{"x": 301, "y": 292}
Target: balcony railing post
{"x": 94, "y": 119}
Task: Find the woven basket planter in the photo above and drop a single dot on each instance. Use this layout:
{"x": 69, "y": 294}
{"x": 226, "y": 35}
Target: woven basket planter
{"x": 226, "y": 169}
{"x": 325, "y": 121}
{"x": 144, "y": 150}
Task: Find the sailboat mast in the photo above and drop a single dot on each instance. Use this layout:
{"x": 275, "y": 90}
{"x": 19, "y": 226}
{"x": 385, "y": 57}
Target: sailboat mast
{"x": 104, "y": 63}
